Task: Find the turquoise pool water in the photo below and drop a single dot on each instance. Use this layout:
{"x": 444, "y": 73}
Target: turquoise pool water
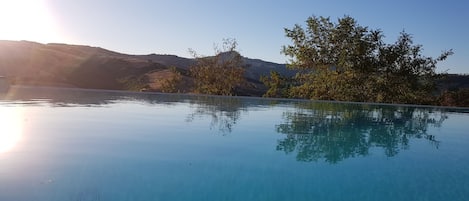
{"x": 77, "y": 145}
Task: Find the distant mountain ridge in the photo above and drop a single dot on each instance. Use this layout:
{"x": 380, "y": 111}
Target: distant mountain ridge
{"x": 254, "y": 67}
{"x": 55, "y": 64}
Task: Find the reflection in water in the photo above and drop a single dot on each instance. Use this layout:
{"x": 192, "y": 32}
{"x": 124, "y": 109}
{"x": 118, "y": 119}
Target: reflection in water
{"x": 224, "y": 112}
{"x": 11, "y": 129}
{"x": 61, "y": 97}
{"x": 334, "y": 132}
{"x": 137, "y": 146}
{"x": 314, "y": 130}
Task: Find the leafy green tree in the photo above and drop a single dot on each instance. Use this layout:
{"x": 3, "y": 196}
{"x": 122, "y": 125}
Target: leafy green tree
{"x": 349, "y": 62}
{"x": 220, "y": 74}
{"x": 277, "y": 85}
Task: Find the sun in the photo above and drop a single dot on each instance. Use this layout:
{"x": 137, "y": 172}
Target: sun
{"x": 27, "y": 20}
{"x": 11, "y": 129}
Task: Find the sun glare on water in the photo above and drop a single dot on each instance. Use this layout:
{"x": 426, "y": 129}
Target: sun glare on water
{"x": 11, "y": 129}
{"x": 26, "y": 20}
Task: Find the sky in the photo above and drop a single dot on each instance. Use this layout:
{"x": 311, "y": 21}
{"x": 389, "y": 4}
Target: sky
{"x": 175, "y": 26}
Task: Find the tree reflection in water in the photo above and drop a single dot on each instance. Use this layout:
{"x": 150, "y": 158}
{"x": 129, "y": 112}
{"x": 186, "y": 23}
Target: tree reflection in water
{"x": 314, "y": 130}
{"x": 223, "y": 111}
{"x": 334, "y": 132}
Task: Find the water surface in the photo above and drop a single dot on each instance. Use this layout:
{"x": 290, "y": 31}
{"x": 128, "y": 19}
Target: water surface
{"x": 85, "y": 145}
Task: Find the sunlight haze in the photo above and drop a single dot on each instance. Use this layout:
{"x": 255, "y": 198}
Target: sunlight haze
{"x": 12, "y": 128}
{"x": 27, "y": 20}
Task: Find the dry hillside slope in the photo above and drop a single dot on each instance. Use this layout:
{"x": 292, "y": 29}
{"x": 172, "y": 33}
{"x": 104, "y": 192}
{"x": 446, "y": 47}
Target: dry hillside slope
{"x": 31, "y": 63}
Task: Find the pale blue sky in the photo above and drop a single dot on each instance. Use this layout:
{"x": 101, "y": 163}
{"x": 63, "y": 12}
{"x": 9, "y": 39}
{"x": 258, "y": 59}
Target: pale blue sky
{"x": 174, "y": 26}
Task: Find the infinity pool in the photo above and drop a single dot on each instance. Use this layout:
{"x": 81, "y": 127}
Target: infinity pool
{"x": 84, "y": 145}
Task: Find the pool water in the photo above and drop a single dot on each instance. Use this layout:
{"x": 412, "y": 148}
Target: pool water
{"x": 86, "y": 145}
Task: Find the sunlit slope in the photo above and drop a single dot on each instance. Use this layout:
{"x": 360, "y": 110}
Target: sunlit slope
{"x": 72, "y": 65}
{"x": 31, "y": 63}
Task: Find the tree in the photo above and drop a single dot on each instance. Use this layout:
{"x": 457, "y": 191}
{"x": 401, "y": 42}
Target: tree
{"x": 172, "y": 84}
{"x": 220, "y": 74}
{"x": 277, "y": 85}
{"x": 348, "y": 62}
{"x": 457, "y": 98}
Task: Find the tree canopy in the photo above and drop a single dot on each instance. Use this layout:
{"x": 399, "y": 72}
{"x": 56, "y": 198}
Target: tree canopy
{"x": 220, "y": 74}
{"x": 346, "y": 61}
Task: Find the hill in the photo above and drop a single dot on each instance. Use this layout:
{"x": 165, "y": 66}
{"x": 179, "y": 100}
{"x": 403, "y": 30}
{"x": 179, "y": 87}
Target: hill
{"x": 254, "y": 67}
{"x": 454, "y": 82}
{"x": 31, "y": 63}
